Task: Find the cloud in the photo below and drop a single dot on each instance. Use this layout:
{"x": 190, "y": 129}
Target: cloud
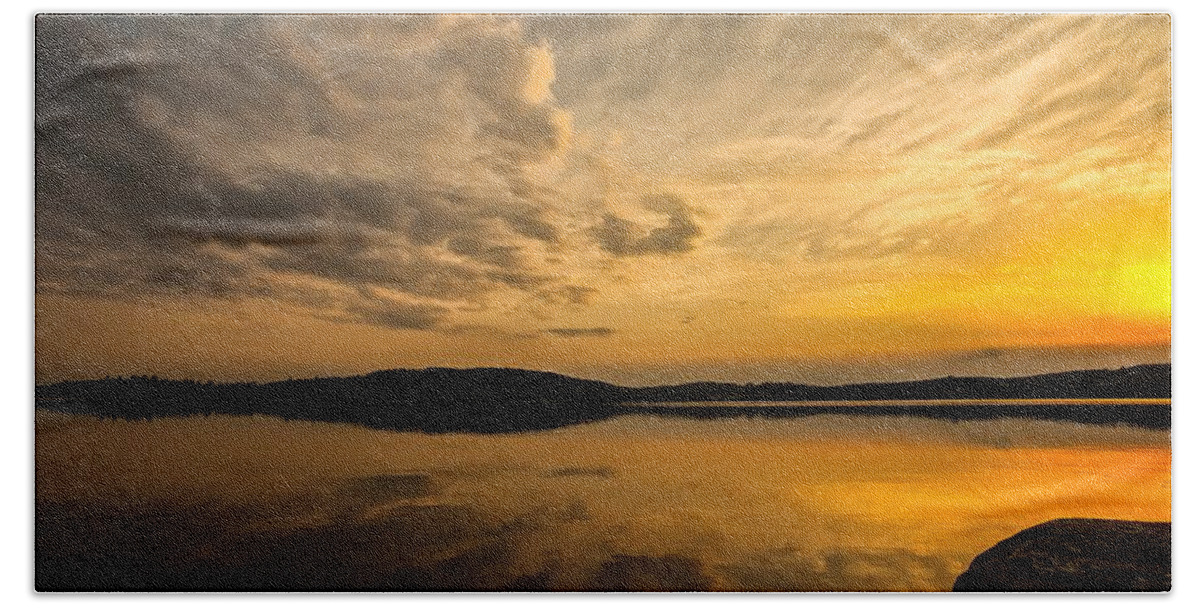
{"x": 582, "y": 332}
{"x": 578, "y": 295}
{"x": 395, "y": 314}
{"x": 308, "y": 159}
{"x": 621, "y": 237}
{"x": 952, "y": 130}
{"x": 481, "y": 169}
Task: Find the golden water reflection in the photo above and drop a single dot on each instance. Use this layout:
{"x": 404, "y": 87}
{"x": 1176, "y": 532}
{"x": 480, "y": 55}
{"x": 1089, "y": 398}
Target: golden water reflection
{"x": 826, "y": 502}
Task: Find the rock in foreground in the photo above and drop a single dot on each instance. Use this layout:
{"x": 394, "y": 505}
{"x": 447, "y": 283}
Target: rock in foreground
{"x": 1076, "y": 555}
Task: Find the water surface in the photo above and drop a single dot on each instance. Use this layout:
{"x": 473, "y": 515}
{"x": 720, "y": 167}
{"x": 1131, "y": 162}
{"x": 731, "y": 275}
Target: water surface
{"x": 822, "y": 502}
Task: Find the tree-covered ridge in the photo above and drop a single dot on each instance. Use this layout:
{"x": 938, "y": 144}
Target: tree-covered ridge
{"x": 512, "y": 400}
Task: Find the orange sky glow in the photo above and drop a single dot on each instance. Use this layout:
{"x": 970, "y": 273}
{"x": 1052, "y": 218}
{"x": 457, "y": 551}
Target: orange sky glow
{"x": 637, "y": 198}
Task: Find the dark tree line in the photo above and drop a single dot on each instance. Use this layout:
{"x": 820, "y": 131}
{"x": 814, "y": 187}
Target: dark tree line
{"x": 509, "y": 400}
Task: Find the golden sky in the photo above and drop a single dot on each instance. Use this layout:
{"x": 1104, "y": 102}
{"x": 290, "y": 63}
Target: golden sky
{"x": 638, "y": 198}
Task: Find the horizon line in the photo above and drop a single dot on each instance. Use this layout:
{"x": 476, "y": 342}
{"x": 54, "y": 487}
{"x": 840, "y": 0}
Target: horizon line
{"x": 158, "y": 378}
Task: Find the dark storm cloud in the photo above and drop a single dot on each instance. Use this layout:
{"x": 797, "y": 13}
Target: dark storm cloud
{"x": 221, "y": 155}
{"x": 621, "y": 237}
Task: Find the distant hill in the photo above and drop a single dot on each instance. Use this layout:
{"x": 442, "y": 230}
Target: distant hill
{"x": 512, "y": 400}
{"x": 1142, "y": 381}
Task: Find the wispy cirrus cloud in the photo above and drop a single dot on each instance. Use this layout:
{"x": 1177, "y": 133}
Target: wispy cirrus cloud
{"x": 582, "y": 332}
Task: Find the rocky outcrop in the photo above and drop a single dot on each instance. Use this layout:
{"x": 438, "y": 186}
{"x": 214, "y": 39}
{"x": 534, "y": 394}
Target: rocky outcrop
{"x": 1076, "y": 555}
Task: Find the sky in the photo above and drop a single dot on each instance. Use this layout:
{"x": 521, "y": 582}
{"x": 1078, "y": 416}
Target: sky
{"x": 637, "y": 198}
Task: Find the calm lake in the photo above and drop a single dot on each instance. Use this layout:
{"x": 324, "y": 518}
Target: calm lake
{"x": 905, "y": 403}
{"x": 821, "y": 502}
{"x": 1147, "y": 413}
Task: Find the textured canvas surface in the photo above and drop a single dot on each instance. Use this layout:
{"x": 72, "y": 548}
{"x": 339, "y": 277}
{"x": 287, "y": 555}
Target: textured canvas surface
{"x": 802, "y": 302}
